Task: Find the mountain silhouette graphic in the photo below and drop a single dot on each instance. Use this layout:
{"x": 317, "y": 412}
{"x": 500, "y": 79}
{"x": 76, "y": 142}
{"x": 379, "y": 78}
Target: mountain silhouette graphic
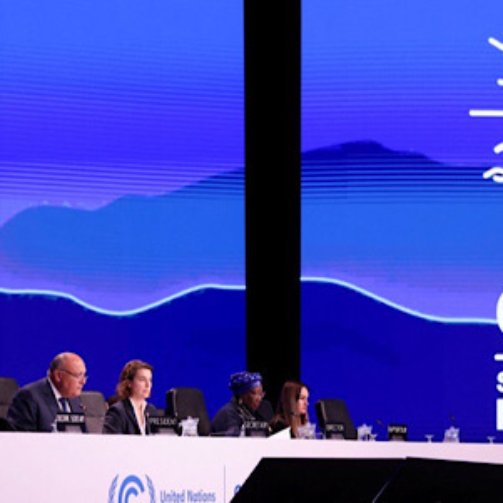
{"x": 138, "y": 250}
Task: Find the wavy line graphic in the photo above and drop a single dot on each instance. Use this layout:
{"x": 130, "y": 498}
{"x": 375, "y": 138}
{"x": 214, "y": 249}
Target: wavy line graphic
{"x": 125, "y": 313}
{"x": 214, "y": 286}
{"x": 394, "y": 305}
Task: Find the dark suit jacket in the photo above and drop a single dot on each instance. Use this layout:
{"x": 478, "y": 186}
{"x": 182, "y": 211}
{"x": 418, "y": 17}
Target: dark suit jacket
{"x": 120, "y": 418}
{"x": 34, "y": 407}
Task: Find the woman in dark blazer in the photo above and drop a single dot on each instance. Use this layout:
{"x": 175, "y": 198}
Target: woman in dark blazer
{"x": 129, "y": 415}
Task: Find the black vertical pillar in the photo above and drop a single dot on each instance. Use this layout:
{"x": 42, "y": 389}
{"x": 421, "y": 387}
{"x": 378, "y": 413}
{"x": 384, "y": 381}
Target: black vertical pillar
{"x": 272, "y": 90}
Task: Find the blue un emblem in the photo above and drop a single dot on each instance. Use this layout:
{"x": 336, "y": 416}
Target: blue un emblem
{"x": 132, "y": 490}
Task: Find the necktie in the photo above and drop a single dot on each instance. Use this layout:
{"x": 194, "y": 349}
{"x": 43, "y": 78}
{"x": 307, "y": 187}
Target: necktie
{"x": 65, "y": 406}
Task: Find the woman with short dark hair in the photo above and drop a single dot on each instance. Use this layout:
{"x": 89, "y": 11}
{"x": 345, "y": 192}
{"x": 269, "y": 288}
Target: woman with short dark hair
{"x": 129, "y": 415}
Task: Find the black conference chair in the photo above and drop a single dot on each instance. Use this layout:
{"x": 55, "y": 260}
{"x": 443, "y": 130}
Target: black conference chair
{"x": 5, "y": 425}
{"x": 160, "y": 412}
{"x": 8, "y": 388}
{"x": 95, "y": 408}
{"x": 331, "y": 412}
{"x": 184, "y": 402}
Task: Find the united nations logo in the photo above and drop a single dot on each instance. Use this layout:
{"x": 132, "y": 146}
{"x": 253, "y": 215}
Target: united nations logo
{"x": 131, "y": 487}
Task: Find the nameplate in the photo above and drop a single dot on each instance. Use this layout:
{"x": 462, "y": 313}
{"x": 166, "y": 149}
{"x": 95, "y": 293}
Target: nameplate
{"x": 397, "y": 432}
{"x": 335, "y": 431}
{"x": 70, "y": 422}
{"x": 163, "y": 425}
{"x": 256, "y": 428}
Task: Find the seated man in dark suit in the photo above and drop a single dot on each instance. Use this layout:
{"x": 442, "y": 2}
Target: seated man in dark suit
{"x": 35, "y": 406}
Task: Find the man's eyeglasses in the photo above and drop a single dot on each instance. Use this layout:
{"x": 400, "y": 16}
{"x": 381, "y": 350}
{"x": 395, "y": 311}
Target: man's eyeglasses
{"x": 79, "y": 377}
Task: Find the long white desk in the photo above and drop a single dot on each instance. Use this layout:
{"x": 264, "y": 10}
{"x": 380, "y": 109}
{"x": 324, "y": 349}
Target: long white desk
{"x": 102, "y": 468}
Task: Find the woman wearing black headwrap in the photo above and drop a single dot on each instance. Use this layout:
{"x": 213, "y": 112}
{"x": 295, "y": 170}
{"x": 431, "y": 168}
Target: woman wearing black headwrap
{"x": 248, "y": 394}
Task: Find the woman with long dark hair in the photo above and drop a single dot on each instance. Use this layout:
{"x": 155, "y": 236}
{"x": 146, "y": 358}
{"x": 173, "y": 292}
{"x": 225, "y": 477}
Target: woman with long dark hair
{"x": 291, "y": 411}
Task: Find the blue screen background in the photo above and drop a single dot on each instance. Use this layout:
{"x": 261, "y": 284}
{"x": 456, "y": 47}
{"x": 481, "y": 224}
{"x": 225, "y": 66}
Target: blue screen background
{"x": 121, "y": 190}
{"x": 401, "y": 253}
{"x": 122, "y": 200}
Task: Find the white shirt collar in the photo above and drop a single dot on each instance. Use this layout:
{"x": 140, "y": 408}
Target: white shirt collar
{"x": 141, "y": 425}
{"x": 57, "y": 394}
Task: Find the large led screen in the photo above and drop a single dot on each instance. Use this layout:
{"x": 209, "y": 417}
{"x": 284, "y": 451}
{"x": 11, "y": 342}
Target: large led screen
{"x": 401, "y": 203}
{"x": 121, "y": 189}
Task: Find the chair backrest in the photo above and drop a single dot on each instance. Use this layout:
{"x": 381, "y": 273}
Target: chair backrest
{"x": 94, "y": 409}
{"x": 184, "y": 402}
{"x": 8, "y": 388}
{"x": 330, "y": 411}
{"x": 160, "y": 412}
